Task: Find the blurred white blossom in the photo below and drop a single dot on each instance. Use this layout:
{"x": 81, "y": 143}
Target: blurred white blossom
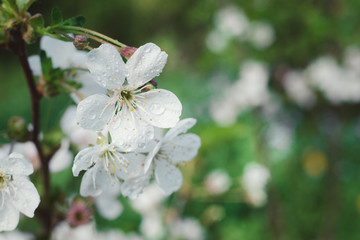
{"x": 254, "y": 180}
{"x": 299, "y": 90}
{"x": 187, "y": 229}
{"x": 249, "y": 91}
{"x": 217, "y": 181}
{"x": 261, "y": 34}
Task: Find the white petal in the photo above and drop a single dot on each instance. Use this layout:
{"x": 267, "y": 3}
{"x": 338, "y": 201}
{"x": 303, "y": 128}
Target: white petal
{"x": 96, "y": 180}
{"x": 181, "y": 127}
{"x": 135, "y": 167}
{"x": 94, "y": 112}
{"x": 88, "y": 86}
{"x": 84, "y": 159}
{"x": 26, "y": 198}
{"x": 9, "y": 217}
{"x": 133, "y": 187}
{"x": 182, "y": 148}
{"x": 107, "y": 66}
{"x": 63, "y": 54}
{"x": 167, "y": 176}
{"x": 146, "y": 63}
{"x": 87, "y": 187}
{"x": 16, "y": 164}
{"x": 159, "y": 107}
{"x": 35, "y": 65}
{"x": 107, "y": 203}
{"x": 130, "y": 132}
{"x": 151, "y": 155}
{"x": 62, "y": 157}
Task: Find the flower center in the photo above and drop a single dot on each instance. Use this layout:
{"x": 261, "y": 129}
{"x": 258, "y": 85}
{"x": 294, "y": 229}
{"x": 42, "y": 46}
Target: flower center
{"x": 126, "y": 95}
{"x": 4, "y": 180}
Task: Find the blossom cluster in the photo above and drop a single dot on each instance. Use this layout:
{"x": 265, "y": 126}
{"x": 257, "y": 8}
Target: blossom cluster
{"x": 127, "y": 118}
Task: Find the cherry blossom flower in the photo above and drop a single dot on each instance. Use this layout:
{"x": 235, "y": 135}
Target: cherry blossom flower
{"x": 105, "y": 165}
{"x": 129, "y": 112}
{"x": 217, "y": 182}
{"x": 17, "y": 193}
{"x": 171, "y": 150}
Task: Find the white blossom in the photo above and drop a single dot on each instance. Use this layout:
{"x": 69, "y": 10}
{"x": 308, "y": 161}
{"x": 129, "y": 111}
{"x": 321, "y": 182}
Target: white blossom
{"x": 172, "y": 149}
{"x": 17, "y": 193}
{"x": 254, "y": 182}
{"x": 187, "y": 229}
{"x": 261, "y": 34}
{"x": 249, "y": 91}
{"x": 217, "y": 182}
{"x": 105, "y": 165}
{"x": 129, "y": 112}
{"x": 298, "y": 89}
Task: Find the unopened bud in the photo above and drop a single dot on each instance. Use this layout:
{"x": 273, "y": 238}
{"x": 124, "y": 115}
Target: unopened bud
{"x": 79, "y": 213}
{"x": 127, "y": 52}
{"x": 80, "y": 42}
{"x": 152, "y": 84}
{"x": 17, "y": 129}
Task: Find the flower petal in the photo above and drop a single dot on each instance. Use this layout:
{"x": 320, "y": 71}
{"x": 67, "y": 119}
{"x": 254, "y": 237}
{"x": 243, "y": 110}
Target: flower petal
{"x": 63, "y": 54}
{"x": 167, "y": 176}
{"x": 35, "y": 65}
{"x": 94, "y": 112}
{"x": 146, "y": 63}
{"x": 151, "y": 155}
{"x": 135, "y": 167}
{"x": 16, "y": 164}
{"x": 182, "y": 148}
{"x": 84, "y": 159}
{"x": 26, "y": 198}
{"x": 107, "y": 203}
{"x": 181, "y": 127}
{"x": 62, "y": 157}
{"x": 9, "y": 217}
{"x": 130, "y": 132}
{"x": 87, "y": 186}
{"x": 107, "y": 66}
{"x": 159, "y": 107}
{"x": 133, "y": 187}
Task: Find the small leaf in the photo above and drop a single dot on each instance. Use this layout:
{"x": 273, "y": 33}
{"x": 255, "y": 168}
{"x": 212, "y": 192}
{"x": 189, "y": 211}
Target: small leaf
{"x": 78, "y": 21}
{"x": 37, "y": 21}
{"x": 56, "y": 16}
{"x": 46, "y": 63}
{"x": 10, "y": 6}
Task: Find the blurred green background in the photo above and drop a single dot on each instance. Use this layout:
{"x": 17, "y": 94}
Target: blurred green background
{"x": 308, "y": 149}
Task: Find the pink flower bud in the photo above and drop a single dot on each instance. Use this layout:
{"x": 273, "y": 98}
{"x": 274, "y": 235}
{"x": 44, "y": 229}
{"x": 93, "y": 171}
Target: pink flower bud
{"x": 127, "y": 52}
{"x": 80, "y": 42}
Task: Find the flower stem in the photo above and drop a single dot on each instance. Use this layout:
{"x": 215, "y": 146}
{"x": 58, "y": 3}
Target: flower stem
{"x": 92, "y": 34}
{"x": 19, "y": 48}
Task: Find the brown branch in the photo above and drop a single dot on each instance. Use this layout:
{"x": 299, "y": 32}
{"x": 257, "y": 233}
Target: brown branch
{"x": 19, "y": 48}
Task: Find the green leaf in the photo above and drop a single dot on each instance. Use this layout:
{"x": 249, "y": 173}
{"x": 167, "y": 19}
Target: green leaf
{"x": 78, "y": 21}
{"x": 10, "y": 7}
{"x": 56, "y": 16}
{"x": 24, "y": 5}
{"x": 46, "y": 63}
{"x": 37, "y": 21}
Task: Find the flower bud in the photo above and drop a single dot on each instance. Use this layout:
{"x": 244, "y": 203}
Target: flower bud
{"x": 79, "y": 213}
{"x": 17, "y": 129}
{"x": 152, "y": 84}
{"x": 80, "y": 42}
{"x": 127, "y": 52}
